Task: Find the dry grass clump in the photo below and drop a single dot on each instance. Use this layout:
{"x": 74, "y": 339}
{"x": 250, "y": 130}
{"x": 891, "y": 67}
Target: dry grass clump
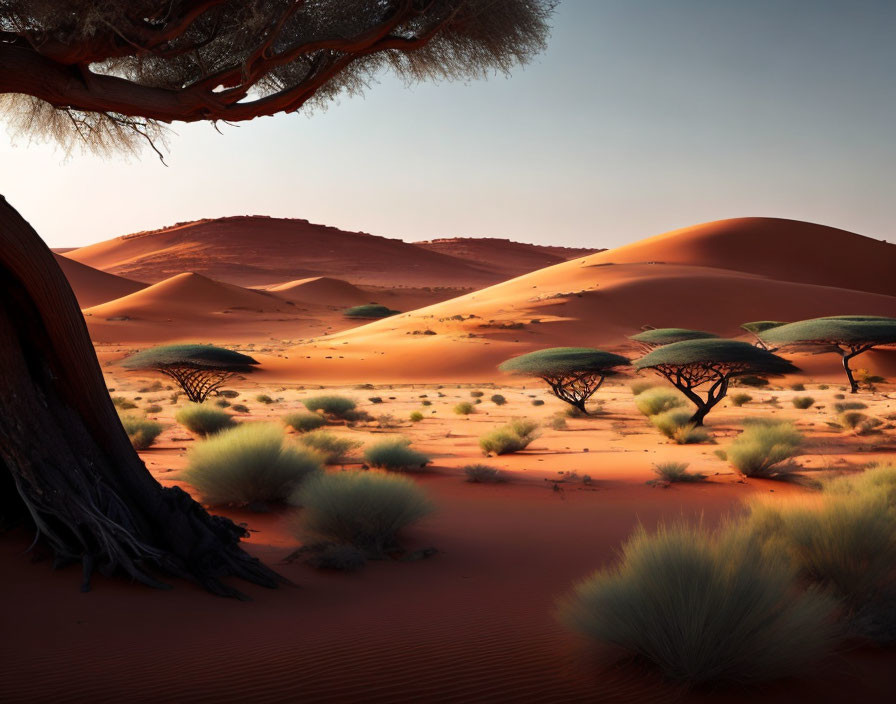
{"x": 203, "y": 419}
{"x": 366, "y": 510}
{"x": 331, "y": 448}
{"x": 336, "y": 406}
{"x": 676, "y": 472}
{"x": 763, "y": 447}
{"x": 802, "y": 402}
{"x": 123, "y": 404}
{"x": 739, "y": 399}
{"x": 141, "y": 431}
{"x": 395, "y": 454}
{"x": 250, "y": 464}
{"x": 464, "y": 408}
{"x": 703, "y": 607}
{"x": 264, "y": 398}
{"x": 498, "y": 400}
{"x": 513, "y": 437}
{"x": 483, "y": 474}
{"x": 658, "y": 400}
{"x": 849, "y": 405}
{"x": 304, "y": 422}
{"x": 639, "y": 386}
{"x": 416, "y": 417}
{"x": 857, "y": 422}
{"x": 677, "y": 426}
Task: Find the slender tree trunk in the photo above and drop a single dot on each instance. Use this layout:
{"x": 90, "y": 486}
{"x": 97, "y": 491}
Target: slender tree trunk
{"x": 76, "y": 478}
{"x": 853, "y": 385}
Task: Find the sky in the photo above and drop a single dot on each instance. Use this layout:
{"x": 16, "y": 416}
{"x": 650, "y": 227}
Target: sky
{"x": 642, "y": 116}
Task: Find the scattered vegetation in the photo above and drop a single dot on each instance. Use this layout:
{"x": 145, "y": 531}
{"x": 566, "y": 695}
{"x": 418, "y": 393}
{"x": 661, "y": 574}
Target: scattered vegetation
{"x": 498, "y": 400}
{"x": 416, "y": 417}
{"x": 464, "y": 408}
{"x": 512, "y": 437}
{"x": 676, "y": 472}
{"x": 331, "y": 448}
{"x": 842, "y": 406}
{"x": 396, "y": 455}
{"x": 264, "y": 398}
{"x": 739, "y": 399}
{"x": 656, "y": 400}
{"x": 802, "y": 402}
{"x": 857, "y": 422}
{"x": 639, "y": 386}
{"x": 203, "y": 419}
{"x": 141, "y": 431}
{"x": 677, "y": 426}
{"x": 483, "y": 474}
{"x": 303, "y": 422}
{"x": 537, "y": 402}
{"x": 335, "y": 406}
{"x": 763, "y": 447}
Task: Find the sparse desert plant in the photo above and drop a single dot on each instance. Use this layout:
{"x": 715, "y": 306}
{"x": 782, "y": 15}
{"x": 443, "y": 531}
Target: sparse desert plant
{"x": 336, "y": 406}
{"x": 798, "y": 386}
{"x": 658, "y": 400}
{"x": 464, "y": 408}
{"x": 123, "y": 404}
{"x": 304, "y": 422}
{"x": 639, "y": 386}
{"x": 857, "y": 422}
{"x": 677, "y": 426}
{"x": 375, "y": 399}
{"x": 483, "y": 474}
{"x": 756, "y": 382}
{"x": 876, "y": 479}
{"x": 574, "y": 374}
{"x": 558, "y": 422}
{"x": 222, "y": 403}
{"x": 365, "y": 509}
{"x": 477, "y": 394}
{"x": 370, "y": 310}
{"x": 426, "y": 403}
{"x": 250, "y": 464}
{"x": 510, "y": 438}
{"x": 416, "y": 417}
{"x": 498, "y": 400}
{"x": 331, "y": 448}
{"x": 802, "y": 402}
{"x": 395, "y": 454}
{"x": 703, "y": 607}
{"x": 264, "y": 398}
{"x": 676, "y": 472}
{"x": 763, "y": 447}
{"x": 537, "y": 402}
{"x": 842, "y": 406}
{"x": 239, "y": 408}
{"x": 690, "y": 434}
{"x": 154, "y": 408}
{"x": 203, "y": 419}
{"x": 228, "y": 393}
{"x": 740, "y": 399}
{"x": 141, "y": 431}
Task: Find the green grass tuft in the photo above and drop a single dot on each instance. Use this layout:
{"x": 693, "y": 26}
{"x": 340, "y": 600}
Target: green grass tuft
{"x": 464, "y": 408}
{"x": 336, "y": 406}
{"x": 396, "y": 455}
{"x": 763, "y": 447}
{"x": 203, "y": 419}
{"x": 141, "y": 431}
{"x": 304, "y": 422}
{"x": 331, "y": 448}
{"x": 658, "y": 400}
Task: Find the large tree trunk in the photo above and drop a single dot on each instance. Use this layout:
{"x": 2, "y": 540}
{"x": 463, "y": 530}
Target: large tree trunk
{"x": 66, "y": 465}
{"x": 853, "y": 384}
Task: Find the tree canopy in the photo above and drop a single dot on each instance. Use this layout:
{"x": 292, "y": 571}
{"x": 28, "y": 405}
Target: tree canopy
{"x": 690, "y": 364}
{"x": 573, "y": 373}
{"x": 666, "y": 336}
{"x": 370, "y": 310}
{"x": 759, "y": 326}
{"x": 111, "y": 73}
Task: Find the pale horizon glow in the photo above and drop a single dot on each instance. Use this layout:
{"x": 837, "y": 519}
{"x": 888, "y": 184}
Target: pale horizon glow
{"x": 642, "y": 117}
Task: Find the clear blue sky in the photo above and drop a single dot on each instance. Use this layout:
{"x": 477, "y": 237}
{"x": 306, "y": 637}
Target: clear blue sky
{"x": 642, "y": 116}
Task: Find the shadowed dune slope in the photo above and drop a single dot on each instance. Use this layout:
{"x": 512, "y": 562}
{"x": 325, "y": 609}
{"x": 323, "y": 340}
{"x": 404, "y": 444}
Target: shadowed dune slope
{"x": 264, "y": 251}
{"x": 789, "y": 250}
{"x": 321, "y": 290}
{"x": 92, "y": 286}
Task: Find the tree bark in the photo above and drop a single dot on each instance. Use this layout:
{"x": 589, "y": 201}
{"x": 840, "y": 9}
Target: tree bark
{"x": 853, "y": 385}
{"x": 66, "y": 464}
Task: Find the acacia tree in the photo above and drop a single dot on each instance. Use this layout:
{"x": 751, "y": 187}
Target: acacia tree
{"x": 656, "y": 337}
{"x": 199, "y": 370}
{"x": 846, "y": 335}
{"x": 757, "y": 327}
{"x": 111, "y": 74}
{"x": 573, "y": 373}
{"x": 691, "y": 364}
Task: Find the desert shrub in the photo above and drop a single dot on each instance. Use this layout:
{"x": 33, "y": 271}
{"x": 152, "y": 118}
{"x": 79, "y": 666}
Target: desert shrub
{"x": 264, "y": 398}
{"x": 367, "y": 510}
{"x": 203, "y": 419}
{"x": 153, "y": 409}
{"x": 639, "y": 386}
{"x": 802, "y": 402}
{"x": 375, "y": 399}
{"x": 677, "y": 426}
{"x": 141, "y": 431}
{"x": 395, "y": 454}
{"x": 573, "y": 412}
{"x": 762, "y": 447}
{"x": 739, "y": 399}
{"x": 658, "y": 400}
{"x": 703, "y": 607}
{"x": 228, "y": 393}
{"x": 513, "y": 437}
{"x": 304, "y": 422}
{"x": 537, "y": 402}
{"x": 337, "y": 406}
{"x": 850, "y": 406}
{"x": 426, "y": 403}
{"x": 370, "y": 310}
{"x": 558, "y": 422}
{"x": 331, "y": 448}
{"x": 123, "y": 404}
{"x": 690, "y": 434}
{"x": 753, "y": 381}
{"x": 250, "y": 464}
{"x": 858, "y": 422}
{"x": 798, "y": 387}
{"x": 477, "y": 394}
{"x": 840, "y": 397}
{"x": 823, "y": 387}
{"x": 483, "y": 474}
{"x": 222, "y": 403}
{"x": 464, "y": 408}
{"x": 676, "y": 472}
{"x": 239, "y": 408}
{"x": 498, "y": 400}
{"x": 877, "y": 479}
{"x": 416, "y": 417}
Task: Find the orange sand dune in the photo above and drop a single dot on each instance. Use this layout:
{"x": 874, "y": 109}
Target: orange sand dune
{"x": 508, "y": 257}
{"x": 577, "y": 303}
{"x": 92, "y": 286}
{"x": 789, "y": 250}
{"x": 322, "y": 290}
{"x": 263, "y": 251}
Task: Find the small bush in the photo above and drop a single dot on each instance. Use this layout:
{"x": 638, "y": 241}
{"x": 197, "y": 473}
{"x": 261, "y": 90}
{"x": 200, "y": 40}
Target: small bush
{"x": 464, "y": 408}
{"x": 477, "y": 394}
{"x": 676, "y": 472}
{"x": 677, "y": 426}
{"x": 703, "y": 608}
{"x": 739, "y": 399}
{"x": 690, "y": 434}
{"x": 426, "y": 403}
{"x": 558, "y": 422}
{"x": 498, "y": 400}
{"x": 304, "y": 422}
{"x": 332, "y": 448}
{"x": 639, "y": 386}
{"x": 264, "y": 398}
{"x": 802, "y": 402}
{"x": 203, "y": 419}
{"x": 762, "y": 447}
{"x": 537, "y": 402}
{"x": 239, "y": 408}
{"x": 850, "y": 406}
{"x": 123, "y": 404}
{"x": 483, "y": 474}
{"x": 366, "y": 510}
{"x": 248, "y": 464}
{"x": 416, "y": 417}
{"x": 754, "y": 381}
{"x": 370, "y": 310}
{"x": 858, "y": 422}
{"x": 395, "y": 454}
{"x": 337, "y": 406}
{"x": 513, "y": 437}
{"x": 798, "y": 387}
{"x": 222, "y": 403}
{"x": 375, "y": 399}
{"x": 228, "y": 393}
{"x": 658, "y": 400}
{"x": 141, "y": 432}
{"x": 153, "y": 409}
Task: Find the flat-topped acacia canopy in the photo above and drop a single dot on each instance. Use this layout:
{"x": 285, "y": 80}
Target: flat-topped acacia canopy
{"x": 666, "y": 336}
{"x": 758, "y": 326}
{"x": 198, "y": 356}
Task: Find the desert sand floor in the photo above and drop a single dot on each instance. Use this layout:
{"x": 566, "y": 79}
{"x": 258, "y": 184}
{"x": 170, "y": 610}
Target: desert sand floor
{"x": 474, "y": 622}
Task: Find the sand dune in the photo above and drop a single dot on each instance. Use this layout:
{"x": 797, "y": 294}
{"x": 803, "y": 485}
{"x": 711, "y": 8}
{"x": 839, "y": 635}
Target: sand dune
{"x": 321, "y": 290}
{"x": 92, "y": 286}
{"x": 263, "y": 251}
